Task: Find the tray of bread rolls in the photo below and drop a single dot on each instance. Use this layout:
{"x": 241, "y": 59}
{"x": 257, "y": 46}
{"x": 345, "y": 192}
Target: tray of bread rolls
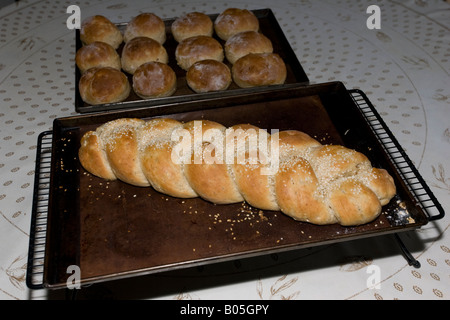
{"x": 148, "y": 61}
{"x": 119, "y": 198}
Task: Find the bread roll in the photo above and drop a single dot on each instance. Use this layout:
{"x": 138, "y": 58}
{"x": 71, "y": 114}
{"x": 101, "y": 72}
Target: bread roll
{"x": 97, "y": 54}
{"x": 259, "y": 69}
{"x": 146, "y": 25}
{"x": 313, "y": 183}
{"x": 208, "y": 75}
{"x": 233, "y": 21}
{"x": 154, "y": 80}
{"x": 140, "y": 50}
{"x": 198, "y": 48}
{"x": 190, "y": 25}
{"x": 103, "y": 85}
{"x": 246, "y": 42}
{"x": 99, "y": 28}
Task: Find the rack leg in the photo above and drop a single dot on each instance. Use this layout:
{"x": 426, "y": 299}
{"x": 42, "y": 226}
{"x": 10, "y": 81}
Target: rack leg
{"x": 71, "y": 294}
{"x": 408, "y": 256}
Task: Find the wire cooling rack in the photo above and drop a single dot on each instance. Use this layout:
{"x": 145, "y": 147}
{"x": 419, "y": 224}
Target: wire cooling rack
{"x": 38, "y": 229}
{"x": 406, "y": 168}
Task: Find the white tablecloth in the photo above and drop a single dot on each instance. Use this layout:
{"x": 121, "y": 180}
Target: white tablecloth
{"x": 403, "y": 67}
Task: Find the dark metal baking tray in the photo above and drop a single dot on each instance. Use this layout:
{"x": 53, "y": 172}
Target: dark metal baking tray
{"x": 114, "y": 230}
{"x": 268, "y": 26}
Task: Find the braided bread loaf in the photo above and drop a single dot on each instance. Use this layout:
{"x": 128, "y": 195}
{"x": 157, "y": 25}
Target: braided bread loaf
{"x": 308, "y": 181}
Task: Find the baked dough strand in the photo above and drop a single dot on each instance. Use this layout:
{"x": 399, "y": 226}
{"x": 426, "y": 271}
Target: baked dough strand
{"x": 287, "y": 171}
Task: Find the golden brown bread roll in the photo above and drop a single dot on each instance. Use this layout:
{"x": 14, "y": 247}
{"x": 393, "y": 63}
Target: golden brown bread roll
{"x": 234, "y": 20}
{"x": 208, "y": 75}
{"x": 246, "y": 42}
{"x": 97, "y": 54}
{"x": 259, "y": 69}
{"x": 190, "y": 25}
{"x": 146, "y": 25}
{"x": 103, "y": 85}
{"x": 154, "y": 80}
{"x": 100, "y": 28}
{"x": 287, "y": 171}
{"x": 140, "y": 50}
{"x": 197, "y": 48}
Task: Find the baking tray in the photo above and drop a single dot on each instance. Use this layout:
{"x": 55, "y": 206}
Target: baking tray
{"x": 268, "y": 26}
{"x": 113, "y": 230}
